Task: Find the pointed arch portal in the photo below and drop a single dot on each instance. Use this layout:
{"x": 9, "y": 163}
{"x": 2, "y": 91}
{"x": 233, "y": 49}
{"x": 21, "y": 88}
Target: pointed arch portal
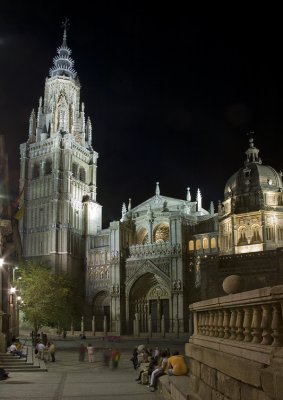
{"x": 101, "y": 308}
{"x": 149, "y": 297}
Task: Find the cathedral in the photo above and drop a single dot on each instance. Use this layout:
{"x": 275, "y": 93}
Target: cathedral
{"x": 141, "y": 273}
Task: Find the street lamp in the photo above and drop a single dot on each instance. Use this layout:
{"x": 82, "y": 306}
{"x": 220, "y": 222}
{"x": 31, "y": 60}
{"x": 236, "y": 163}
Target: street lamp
{"x": 1, "y": 262}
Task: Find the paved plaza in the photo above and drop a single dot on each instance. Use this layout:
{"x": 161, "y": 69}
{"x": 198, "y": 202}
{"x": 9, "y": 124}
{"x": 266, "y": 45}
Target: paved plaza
{"x": 69, "y": 379}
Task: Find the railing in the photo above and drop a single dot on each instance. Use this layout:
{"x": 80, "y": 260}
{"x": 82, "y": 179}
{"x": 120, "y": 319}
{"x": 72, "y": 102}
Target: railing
{"x": 249, "y": 317}
{"x": 154, "y": 250}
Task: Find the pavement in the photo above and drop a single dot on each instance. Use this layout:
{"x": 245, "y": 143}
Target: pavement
{"x": 69, "y": 379}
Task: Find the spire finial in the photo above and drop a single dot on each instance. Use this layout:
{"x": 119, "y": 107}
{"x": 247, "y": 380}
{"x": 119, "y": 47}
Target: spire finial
{"x": 189, "y": 198}
{"x": 157, "y": 190}
{"x": 65, "y": 25}
{"x": 252, "y": 152}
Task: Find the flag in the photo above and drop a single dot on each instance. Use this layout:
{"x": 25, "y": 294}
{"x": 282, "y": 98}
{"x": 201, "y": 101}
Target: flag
{"x": 19, "y": 203}
{"x": 20, "y": 213}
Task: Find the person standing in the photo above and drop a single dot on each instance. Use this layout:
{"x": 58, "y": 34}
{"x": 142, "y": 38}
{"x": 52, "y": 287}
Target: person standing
{"x": 90, "y": 353}
{"x": 115, "y": 356}
{"x": 51, "y": 351}
{"x": 82, "y": 350}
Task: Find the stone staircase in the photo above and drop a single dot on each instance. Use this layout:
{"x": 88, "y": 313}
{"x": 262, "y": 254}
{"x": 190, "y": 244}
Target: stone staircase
{"x": 27, "y": 364}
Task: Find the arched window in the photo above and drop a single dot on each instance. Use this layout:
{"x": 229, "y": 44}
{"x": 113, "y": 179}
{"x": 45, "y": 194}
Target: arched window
{"x": 213, "y": 243}
{"x": 191, "y": 245}
{"x": 142, "y": 237}
{"x": 161, "y": 233}
{"x": 242, "y": 240}
{"x": 35, "y": 170}
{"x": 205, "y": 243}
{"x": 255, "y": 234}
{"x": 82, "y": 175}
{"x": 198, "y": 244}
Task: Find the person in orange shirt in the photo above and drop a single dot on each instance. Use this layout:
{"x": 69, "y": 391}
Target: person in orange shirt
{"x": 177, "y": 365}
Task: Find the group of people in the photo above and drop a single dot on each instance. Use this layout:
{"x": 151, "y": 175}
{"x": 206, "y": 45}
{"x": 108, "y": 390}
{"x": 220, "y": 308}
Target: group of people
{"x": 154, "y": 363}
{"x": 16, "y": 348}
{"x": 45, "y": 352}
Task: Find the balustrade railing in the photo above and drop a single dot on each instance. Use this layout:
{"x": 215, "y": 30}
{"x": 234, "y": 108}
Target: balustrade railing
{"x": 253, "y": 317}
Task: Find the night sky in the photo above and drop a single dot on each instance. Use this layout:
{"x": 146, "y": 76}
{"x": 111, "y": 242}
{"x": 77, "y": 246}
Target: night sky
{"x": 171, "y": 97}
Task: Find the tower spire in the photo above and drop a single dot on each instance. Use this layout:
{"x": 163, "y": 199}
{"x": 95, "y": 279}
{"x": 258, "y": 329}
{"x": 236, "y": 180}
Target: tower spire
{"x": 63, "y": 63}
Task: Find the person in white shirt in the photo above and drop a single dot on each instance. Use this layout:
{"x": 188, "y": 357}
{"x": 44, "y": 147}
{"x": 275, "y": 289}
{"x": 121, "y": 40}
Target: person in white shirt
{"x": 40, "y": 348}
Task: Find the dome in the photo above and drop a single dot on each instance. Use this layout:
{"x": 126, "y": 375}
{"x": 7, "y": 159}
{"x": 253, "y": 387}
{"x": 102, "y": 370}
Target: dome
{"x": 252, "y": 181}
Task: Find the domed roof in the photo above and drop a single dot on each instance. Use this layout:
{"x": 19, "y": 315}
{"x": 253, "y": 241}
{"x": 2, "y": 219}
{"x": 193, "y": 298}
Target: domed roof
{"x": 253, "y": 177}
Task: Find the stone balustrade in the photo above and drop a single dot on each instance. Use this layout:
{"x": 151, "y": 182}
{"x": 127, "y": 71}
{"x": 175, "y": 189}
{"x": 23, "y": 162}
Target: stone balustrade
{"x": 236, "y": 350}
{"x": 154, "y": 250}
{"x": 248, "y": 317}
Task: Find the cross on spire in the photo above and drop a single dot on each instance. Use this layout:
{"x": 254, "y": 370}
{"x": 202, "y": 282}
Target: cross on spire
{"x": 66, "y": 24}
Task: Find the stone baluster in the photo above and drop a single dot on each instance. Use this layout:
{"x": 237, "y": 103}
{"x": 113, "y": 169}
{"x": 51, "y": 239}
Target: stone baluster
{"x": 266, "y": 324}
{"x": 232, "y": 323}
{"x": 239, "y": 324}
{"x": 211, "y": 313}
{"x": 220, "y": 324}
{"x": 226, "y": 324}
{"x": 215, "y": 323}
{"x": 276, "y": 325}
{"x": 247, "y": 324}
{"x": 256, "y": 321}
{"x": 207, "y": 324}
{"x": 202, "y": 327}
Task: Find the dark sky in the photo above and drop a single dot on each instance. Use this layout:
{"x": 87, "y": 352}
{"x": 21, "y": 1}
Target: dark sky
{"x": 171, "y": 96}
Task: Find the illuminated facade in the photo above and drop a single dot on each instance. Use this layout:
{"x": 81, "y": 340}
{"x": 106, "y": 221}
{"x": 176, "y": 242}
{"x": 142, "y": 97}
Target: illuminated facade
{"x": 141, "y": 273}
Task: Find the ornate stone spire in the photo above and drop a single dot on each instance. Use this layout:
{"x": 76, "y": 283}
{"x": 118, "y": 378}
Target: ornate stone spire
{"x": 124, "y": 211}
{"x": 211, "y": 208}
{"x": 63, "y": 63}
{"x": 130, "y": 205}
{"x": 32, "y": 125}
{"x": 252, "y": 152}
{"x": 89, "y": 132}
{"x": 189, "y": 198}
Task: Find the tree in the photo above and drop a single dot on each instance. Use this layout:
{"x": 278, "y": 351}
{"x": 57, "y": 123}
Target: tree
{"x": 48, "y": 298}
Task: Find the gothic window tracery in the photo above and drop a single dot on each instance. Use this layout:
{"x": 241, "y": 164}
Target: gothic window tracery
{"x": 191, "y": 245}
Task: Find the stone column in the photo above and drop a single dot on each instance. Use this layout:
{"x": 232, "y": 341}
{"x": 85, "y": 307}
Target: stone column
{"x": 149, "y": 326}
{"x": 82, "y": 324}
{"x": 162, "y": 326}
{"x": 93, "y": 325}
{"x": 105, "y": 325}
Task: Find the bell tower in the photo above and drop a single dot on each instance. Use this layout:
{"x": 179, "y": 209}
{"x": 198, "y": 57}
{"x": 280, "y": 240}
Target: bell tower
{"x": 58, "y": 173}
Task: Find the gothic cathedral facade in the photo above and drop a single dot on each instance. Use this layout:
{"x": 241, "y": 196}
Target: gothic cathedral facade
{"x": 140, "y": 273}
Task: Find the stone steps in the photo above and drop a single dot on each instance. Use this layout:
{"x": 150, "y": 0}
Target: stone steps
{"x": 25, "y": 364}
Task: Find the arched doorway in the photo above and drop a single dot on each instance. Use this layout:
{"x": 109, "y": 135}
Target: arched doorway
{"x": 101, "y": 308}
{"x": 149, "y": 297}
